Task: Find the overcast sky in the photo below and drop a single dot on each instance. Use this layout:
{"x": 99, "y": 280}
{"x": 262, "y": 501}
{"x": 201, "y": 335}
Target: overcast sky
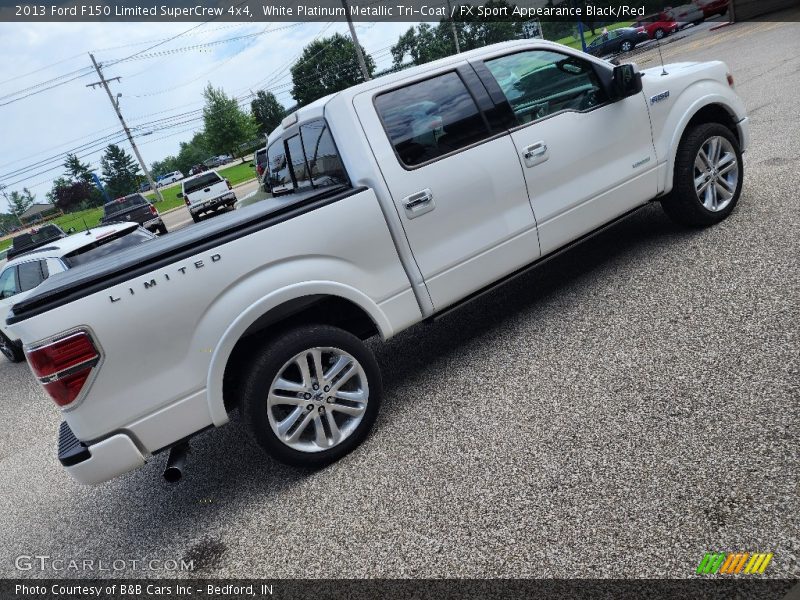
{"x": 39, "y": 129}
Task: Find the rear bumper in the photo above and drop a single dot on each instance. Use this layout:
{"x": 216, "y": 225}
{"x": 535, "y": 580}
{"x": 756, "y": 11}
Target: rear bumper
{"x": 98, "y": 462}
{"x": 228, "y": 198}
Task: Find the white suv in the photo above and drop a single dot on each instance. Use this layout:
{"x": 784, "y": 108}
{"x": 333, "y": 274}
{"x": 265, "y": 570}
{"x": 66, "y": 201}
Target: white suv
{"x": 22, "y": 275}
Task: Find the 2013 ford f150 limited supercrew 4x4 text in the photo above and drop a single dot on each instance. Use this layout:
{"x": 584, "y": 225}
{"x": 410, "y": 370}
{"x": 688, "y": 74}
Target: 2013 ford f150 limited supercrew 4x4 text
{"x": 400, "y": 198}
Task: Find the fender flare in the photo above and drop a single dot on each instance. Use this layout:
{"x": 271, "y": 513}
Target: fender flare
{"x": 680, "y": 129}
{"x": 234, "y": 332}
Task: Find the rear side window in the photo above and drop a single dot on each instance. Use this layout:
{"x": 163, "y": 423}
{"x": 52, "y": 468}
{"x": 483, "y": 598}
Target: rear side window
{"x": 313, "y": 157}
{"x": 200, "y": 182}
{"x": 8, "y": 283}
{"x": 279, "y": 177}
{"x": 105, "y": 246}
{"x": 31, "y": 274}
{"x": 431, "y": 118}
{"x": 324, "y": 164}
{"x": 294, "y": 146}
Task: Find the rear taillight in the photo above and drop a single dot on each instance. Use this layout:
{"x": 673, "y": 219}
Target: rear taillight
{"x": 64, "y": 365}
{"x": 730, "y": 79}
{"x": 186, "y": 199}
{"x": 153, "y": 210}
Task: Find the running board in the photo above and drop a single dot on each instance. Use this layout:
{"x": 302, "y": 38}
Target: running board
{"x": 538, "y": 262}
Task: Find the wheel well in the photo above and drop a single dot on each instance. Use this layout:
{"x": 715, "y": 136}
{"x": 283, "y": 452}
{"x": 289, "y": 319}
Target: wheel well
{"x": 714, "y": 113}
{"x": 317, "y": 310}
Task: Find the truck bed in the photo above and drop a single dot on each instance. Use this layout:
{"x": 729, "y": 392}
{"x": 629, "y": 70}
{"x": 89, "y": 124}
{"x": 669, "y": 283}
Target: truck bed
{"x": 88, "y": 279}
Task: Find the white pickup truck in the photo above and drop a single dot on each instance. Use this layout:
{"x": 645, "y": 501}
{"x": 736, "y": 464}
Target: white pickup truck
{"x": 401, "y": 198}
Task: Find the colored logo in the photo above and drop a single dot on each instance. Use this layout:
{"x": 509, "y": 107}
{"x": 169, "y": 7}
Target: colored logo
{"x": 734, "y": 563}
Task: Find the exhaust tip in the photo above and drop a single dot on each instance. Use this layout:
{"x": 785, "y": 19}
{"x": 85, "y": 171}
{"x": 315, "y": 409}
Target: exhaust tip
{"x": 173, "y": 472}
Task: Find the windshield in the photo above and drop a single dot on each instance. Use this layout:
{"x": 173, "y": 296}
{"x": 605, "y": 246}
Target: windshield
{"x": 201, "y": 182}
{"x": 108, "y": 245}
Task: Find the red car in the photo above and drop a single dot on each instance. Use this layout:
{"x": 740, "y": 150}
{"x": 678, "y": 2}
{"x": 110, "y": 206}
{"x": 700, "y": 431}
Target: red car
{"x": 711, "y": 8}
{"x": 657, "y": 25}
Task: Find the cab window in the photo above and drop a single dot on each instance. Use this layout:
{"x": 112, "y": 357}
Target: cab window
{"x": 8, "y": 283}
{"x": 31, "y": 274}
{"x": 540, "y": 83}
{"x": 431, "y": 118}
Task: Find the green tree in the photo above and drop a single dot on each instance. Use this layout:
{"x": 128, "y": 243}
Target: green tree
{"x": 120, "y": 171}
{"x": 19, "y": 202}
{"x": 77, "y": 170}
{"x": 267, "y": 111}
{"x": 326, "y": 66}
{"x": 423, "y": 44}
{"x": 191, "y": 153}
{"x": 226, "y": 125}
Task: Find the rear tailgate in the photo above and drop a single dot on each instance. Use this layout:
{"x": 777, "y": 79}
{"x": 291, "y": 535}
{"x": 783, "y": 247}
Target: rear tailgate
{"x": 138, "y": 214}
{"x": 204, "y": 188}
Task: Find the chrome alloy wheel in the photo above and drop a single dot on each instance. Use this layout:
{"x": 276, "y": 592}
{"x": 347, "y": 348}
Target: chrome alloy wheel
{"x": 318, "y": 399}
{"x": 716, "y": 173}
{"x": 5, "y": 348}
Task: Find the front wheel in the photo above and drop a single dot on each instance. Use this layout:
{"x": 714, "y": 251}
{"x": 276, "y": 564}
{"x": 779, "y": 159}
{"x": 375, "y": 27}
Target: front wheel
{"x": 708, "y": 176}
{"x": 10, "y": 350}
{"x": 626, "y": 46}
{"x": 659, "y": 34}
{"x": 312, "y": 395}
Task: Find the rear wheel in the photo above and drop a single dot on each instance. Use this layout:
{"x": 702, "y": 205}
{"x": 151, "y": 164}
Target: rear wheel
{"x": 312, "y": 395}
{"x": 708, "y": 176}
{"x": 626, "y": 46}
{"x": 195, "y": 217}
{"x": 162, "y": 229}
{"x": 11, "y": 350}
{"x": 659, "y": 34}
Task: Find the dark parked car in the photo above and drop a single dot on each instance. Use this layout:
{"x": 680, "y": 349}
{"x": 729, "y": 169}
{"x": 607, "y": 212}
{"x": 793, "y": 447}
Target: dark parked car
{"x": 619, "y": 40}
{"x": 35, "y": 238}
{"x": 134, "y": 208}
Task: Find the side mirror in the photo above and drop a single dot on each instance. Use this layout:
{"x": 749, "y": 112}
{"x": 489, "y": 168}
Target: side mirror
{"x": 627, "y": 81}
{"x": 180, "y": 195}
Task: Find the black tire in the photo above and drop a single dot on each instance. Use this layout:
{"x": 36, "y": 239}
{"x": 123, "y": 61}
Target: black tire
{"x": 267, "y": 365}
{"x": 626, "y": 46}
{"x": 162, "y": 229}
{"x": 195, "y": 218}
{"x": 682, "y": 203}
{"x": 11, "y": 350}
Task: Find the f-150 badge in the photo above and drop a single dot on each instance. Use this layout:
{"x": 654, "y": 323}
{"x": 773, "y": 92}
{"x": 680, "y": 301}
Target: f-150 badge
{"x": 659, "y": 97}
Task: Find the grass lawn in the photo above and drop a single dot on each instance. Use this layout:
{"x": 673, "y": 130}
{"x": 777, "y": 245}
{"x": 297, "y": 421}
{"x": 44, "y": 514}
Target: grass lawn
{"x": 575, "y": 41}
{"x": 5, "y": 244}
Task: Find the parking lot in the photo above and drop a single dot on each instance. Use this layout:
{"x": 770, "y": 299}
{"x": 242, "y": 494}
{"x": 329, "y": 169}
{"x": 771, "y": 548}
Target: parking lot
{"x": 618, "y": 412}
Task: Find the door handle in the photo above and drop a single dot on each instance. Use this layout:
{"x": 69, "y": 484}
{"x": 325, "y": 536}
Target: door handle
{"x": 418, "y": 203}
{"x": 536, "y": 150}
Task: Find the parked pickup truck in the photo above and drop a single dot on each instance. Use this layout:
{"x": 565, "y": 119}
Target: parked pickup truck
{"x": 410, "y": 194}
{"x": 207, "y": 192}
{"x": 133, "y": 208}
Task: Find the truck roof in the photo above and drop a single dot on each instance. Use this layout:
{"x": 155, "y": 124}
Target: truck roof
{"x": 317, "y": 108}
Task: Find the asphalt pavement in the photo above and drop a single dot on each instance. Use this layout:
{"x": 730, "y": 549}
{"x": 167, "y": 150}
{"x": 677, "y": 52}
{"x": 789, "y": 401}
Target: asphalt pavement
{"x": 619, "y": 412}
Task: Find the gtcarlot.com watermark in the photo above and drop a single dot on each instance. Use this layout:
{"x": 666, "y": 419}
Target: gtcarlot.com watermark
{"x": 56, "y": 564}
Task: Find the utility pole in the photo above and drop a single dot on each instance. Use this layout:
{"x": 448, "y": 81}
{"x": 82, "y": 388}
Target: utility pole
{"x": 115, "y": 103}
{"x": 11, "y": 208}
{"x": 359, "y": 53}
{"x": 453, "y": 28}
